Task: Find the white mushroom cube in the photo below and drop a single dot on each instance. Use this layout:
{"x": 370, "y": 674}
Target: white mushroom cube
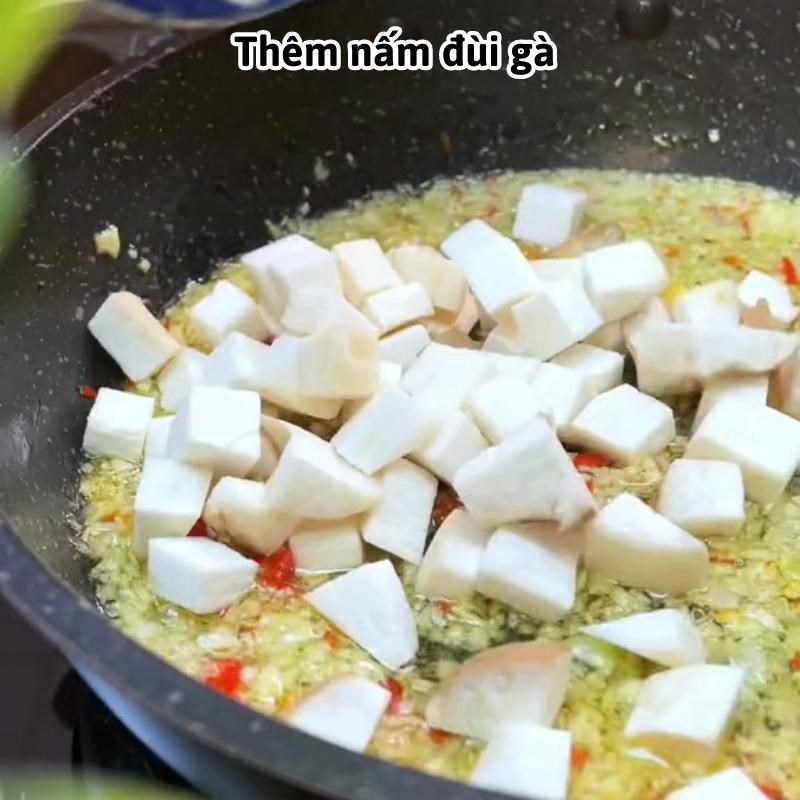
{"x": 218, "y": 428}
{"x": 405, "y": 345}
{"x": 676, "y": 358}
{"x": 268, "y": 459}
{"x": 766, "y": 301}
{"x": 117, "y": 425}
{"x": 281, "y": 269}
{"x": 705, "y": 498}
{"x": 501, "y": 405}
{"x": 653, "y": 311}
{"x": 730, "y": 784}
{"x": 528, "y": 476}
{"x": 156, "y": 441}
{"x": 532, "y": 568}
{"x": 504, "y": 339}
{"x": 496, "y": 270}
{"x": 312, "y": 481}
{"x": 517, "y": 366}
{"x": 132, "y": 336}
{"x": 609, "y": 336}
{"x": 442, "y": 377}
{"x": 392, "y": 308}
{"x": 399, "y": 523}
{"x": 559, "y": 269}
{"x": 762, "y": 441}
{"x": 666, "y": 636}
{"x": 449, "y": 568}
{"x": 443, "y": 280}
{"x": 621, "y": 278}
{"x": 387, "y": 428}
{"x": 180, "y": 376}
{"x": 520, "y": 682}
{"x": 364, "y": 269}
{"x": 624, "y": 423}
{"x": 629, "y": 542}
{"x": 169, "y": 500}
{"x": 369, "y": 605}
{"x": 345, "y": 712}
{"x": 200, "y": 575}
{"x": 561, "y": 392}
{"x": 329, "y": 546}
{"x": 224, "y": 310}
{"x": 752, "y": 389}
{"x": 686, "y": 712}
{"x": 389, "y": 377}
{"x": 241, "y": 511}
{"x": 526, "y": 760}
{"x": 338, "y": 362}
{"x": 714, "y": 303}
{"x": 784, "y": 387}
{"x": 456, "y": 441}
{"x": 550, "y": 320}
{"x": 548, "y": 215}
{"x": 602, "y": 368}
{"x": 237, "y": 362}
{"x": 311, "y": 309}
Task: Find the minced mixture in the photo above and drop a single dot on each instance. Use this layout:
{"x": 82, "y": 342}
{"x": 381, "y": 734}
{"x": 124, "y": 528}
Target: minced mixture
{"x": 271, "y": 647}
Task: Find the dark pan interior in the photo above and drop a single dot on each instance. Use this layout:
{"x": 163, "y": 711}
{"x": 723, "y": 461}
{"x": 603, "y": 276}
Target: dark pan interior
{"x": 190, "y": 157}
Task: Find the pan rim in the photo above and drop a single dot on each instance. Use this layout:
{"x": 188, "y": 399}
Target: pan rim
{"x": 69, "y": 620}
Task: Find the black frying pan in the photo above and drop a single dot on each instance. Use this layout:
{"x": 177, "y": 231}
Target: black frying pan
{"x": 190, "y": 157}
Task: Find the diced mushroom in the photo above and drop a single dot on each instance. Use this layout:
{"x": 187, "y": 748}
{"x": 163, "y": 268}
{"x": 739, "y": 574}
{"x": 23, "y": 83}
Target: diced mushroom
{"x": 405, "y": 345}
{"x": 387, "y": 428}
{"x": 548, "y": 215}
{"x": 526, "y": 760}
{"x": 594, "y": 237}
{"x": 784, "y": 386}
{"x": 292, "y": 264}
{"x": 218, "y": 428}
{"x": 364, "y": 269}
{"x": 705, "y": 498}
{"x": 456, "y": 441}
{"x": 714, "y": 303}
{"x": 610, "y": 337}
{"x": 602, "y": 368}
{"x": 180, "y": 376}
{"x": 392, "y": 308}
{"x": 527, "y": 476}
{"x": 442, "y": 377}
{"x": 504, "y": 339}
{"x": 766, "y": 302}
{"x": 520, "y": 682}
{"x": 675, "y": 358}
{"x": 200, "y": 575}
{"x": 752, "y": 389}
{"x": 621, "y": 278}
{"x": 533, "y": 568}
{"x": 629, "y": 542}
{"x": 399, "y": 523}
{"x": 666, "y": 636}
{"x": 523, "y": 367}
{"x": 496, "y": 270}
{"x": 237, "y": 362}
{"x": 369, "y": 605}
{"x": 559, "y": 269}
{"x": 554, "y": 318}
{"x": 501, "y": 405}
{"x": 653, "y": 311}
{"x": 624, "y": 423}
{"x": 268, "y": 459}
{"x": 155, "y": 443}
{"x": 561, "y": 392}
{"x": 330, "y": 546}
{"x": 132, "y": 336}
{"x": 312, "y": 481}
{"x": 762, "y": 441}
{"x": 389, "y": 377}
{"x": 224, "y": 310}
{"x": 449, "y": 568}
{"x": 730, "y": 784}
{"x": 311, "y": 309}
{"x": 117, "y": 425}
{"x": 240, "y": 511}
{"x": 169, "y": 500}
{"x": 443, "y": 280}
{"x": 345, "y": 712}
{"x": 686, "y": 712}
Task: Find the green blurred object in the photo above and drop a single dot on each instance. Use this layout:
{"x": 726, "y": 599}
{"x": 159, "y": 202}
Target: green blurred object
{"x": 13, "y": 194}
{"x": 31, "y": 786}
